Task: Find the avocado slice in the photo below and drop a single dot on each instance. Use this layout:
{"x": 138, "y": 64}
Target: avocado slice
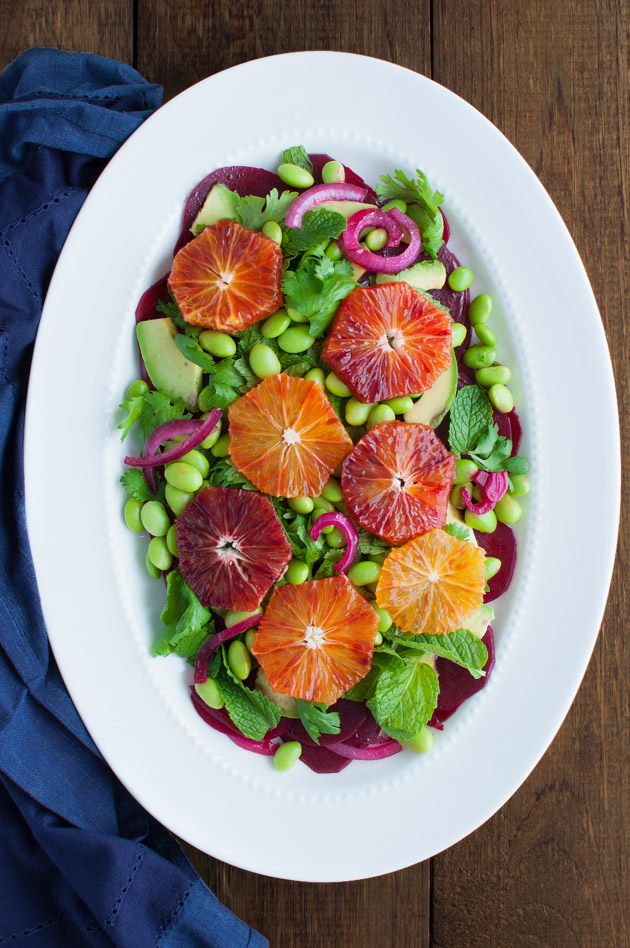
{"x": 436, "y": 401}
{"x": 347, "y": 208}
{"x": 453, "y": 515}
{"x": 169, "y": 370}
{"x": 220, "y": 204}
{"x": 479, "y": 621}
{"x": 425, "y": 275}
{"x": 286, "y": 704}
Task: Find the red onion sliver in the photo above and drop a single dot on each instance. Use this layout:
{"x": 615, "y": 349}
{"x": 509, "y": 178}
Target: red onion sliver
{"x": 371, "y": 218}
{"x": 494, "y": 484}
{"x": 337, "y": 519}
{"x": 197, "y": 431}
{"x": 317, "y": 195}
{"x": 206, "y": 650}
{"x": 373, "y": 752}
{"x": 371, "y": 261}
{"x": 483, "y": 507}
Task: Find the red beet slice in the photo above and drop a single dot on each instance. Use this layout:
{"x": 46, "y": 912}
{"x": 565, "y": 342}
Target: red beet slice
{"x": 457, "y": 303}
{"x": 502, "y": 544}
{"x": 457, "y": 684}
{"x": 352, "y": 714}
{"x": 323, "y": 761}
{"x": 369, "y": 733}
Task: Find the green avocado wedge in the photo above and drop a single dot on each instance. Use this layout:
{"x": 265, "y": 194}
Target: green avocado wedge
{"x": 219, "y": 205}
{"x": 436, "y": 401}
{"x": 169, "y": 370}
{"x": 286, "y": 704}
{"x": 426, "y": 275}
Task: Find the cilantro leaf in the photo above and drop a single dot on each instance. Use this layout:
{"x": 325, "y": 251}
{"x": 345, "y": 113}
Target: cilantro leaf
{"x": 471, "y": 413}
{"x": 254, "y": 212}
{"x": 370, "y": 545}
{"x": 516, "y": 465}
{"x": 134, "y": 483}
{"x": 171, "y": 309}
{"x": 219, "y": 396}
{"x": 188, "y": 623}
{"x": 461, "y": 647}
{"x": 224, "y": 474}
{"x": 422, "y": 205}
{"x": 316, "y": 288}
{"x": 317, "y": 720}
{"x": 458, "y": 530}
{"x": 303, "y": 546}
{"x": 326, "y": 567}
{"x": 317, "y": 225}
{"x": 243, "y": 368}
{"x": 150, "y": 410}
{"x": 297, "y": 155}
{"x": 405, "y": 698}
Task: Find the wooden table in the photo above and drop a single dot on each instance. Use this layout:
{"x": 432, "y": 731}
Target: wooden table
{"x": 551, "y": 868}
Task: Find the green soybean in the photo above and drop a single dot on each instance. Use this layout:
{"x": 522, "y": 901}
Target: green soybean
{"x": 480, "y": 309}
{"x": 384, "y": 618}
{"x": 336, "y": 386}
{"x": 297, "y": 572}
{"x": 155, "y": 519}
{"x": 336, "y": 538}
{"x": 295, "y": 176}
{"x": 478, "y": 357}
{"x": 458, "y": 333}
{"x": 152, "y": 570}
{"x": 295, "y": 339}
{"x": 485, "y": 523}
{"x": 198, "y": 460}
{"x": 273, "y": 230}
{"x": 364, "y": 573}
{"x": 206, "y": 398}
{"x": 159, "y": 554}
{"x": 356, "y": 412}
{"x": 460, "y": 279}
{"x": 183, "y": 476}
{"x": 465, "y": 470}
{"x": 376, "y": 239}
{"x": 214, "y": 435}
{"x": 332, "y": 491}
{"x": 397, "y": 204}
{"x": 486, "y": 335}
{"x": 456, "y": 497}
{"x": 233, "y": 618}
{"x": 316, "y": 375}
{"x": 493, "y": 565}
{"x": 208, "y": 691}
{"x": 493, "y": 375}
{"x": 379, "y": 414}
{"x": 177, "y": 499}
{"x": 520, "y": 485}
{"x": 137, "y": 388}
{"x": 263, "y": 361}
{"x": 171, "y": 540}
{"x": 131, "y": 514}
{"x": 239, "y": 659}
{"x": 222, "y": 447}
{"x": 501, "y": 397}
{"x": 301, "y": 505}
{"x": 333, "y": 251}
{"x": 322, "y": 505}
{"x": 378, "y": 639}
{"x": 287, "y": 755}
{"x": 296, "y": 315}
{"x": 421, "y": 743}
{"x": 333, "y": 172}
{"x": 250, "y": 638}
{"x": 217, "y": 343}
{"x": 276, "y": 324}
{"x": 508, "y": 510}
{"x": 400, "y": 405}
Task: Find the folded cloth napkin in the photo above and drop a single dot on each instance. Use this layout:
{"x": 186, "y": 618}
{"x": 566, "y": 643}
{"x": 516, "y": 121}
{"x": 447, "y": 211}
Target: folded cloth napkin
{"x": 81, "y": 863}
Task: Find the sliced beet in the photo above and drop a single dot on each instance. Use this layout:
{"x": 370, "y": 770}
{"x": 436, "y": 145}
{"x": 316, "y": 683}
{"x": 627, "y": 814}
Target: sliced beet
{"x": 149, "y": 299}
{"x": 323, "y": 761}
{"x": 502, "y": 544}
{"x": 457, "y": 684}
{"x": 352, "y": 714}
{"x": 368, "y": 734}
{"x": 457, "y": 303}
{"x": 217, "y": 718}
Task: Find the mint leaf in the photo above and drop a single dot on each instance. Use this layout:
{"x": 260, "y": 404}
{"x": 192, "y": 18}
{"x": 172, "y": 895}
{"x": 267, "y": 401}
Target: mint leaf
{"x": 249, "y": 715}
{"x": 316, "y": 288}
{"x": 458, "y": 530}
{"x": 188, "y": 623}
{"x": 405, "y": 699}
{"x": 297, "y": 155}
{"x": 517, "y": 465}
{"x": 364, "y": 689}
{"x": 254, "y": 212}
{"x": 224, "y": 474}
{"x": 460, "y": 646}
{"x": 317, "y": 720}
{"x": 317, "y": 225}
{"x": 470, "y": 415}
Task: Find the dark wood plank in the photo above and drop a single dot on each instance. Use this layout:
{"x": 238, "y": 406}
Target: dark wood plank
{"x": 552, "y": 867}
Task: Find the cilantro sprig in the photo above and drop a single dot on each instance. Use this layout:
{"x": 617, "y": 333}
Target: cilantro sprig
{"x": 422, "y": 205}
{"x": 472, "y": 432}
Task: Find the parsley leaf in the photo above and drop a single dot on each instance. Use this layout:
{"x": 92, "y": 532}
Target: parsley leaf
{"x": 405, "y": 698}
{"x": 254, "y": 212}
{"x": 316, "y": 288}
{"x": 461, "y": 647}
{"x": 471, "y": 413}
{"x": 224, "y": 474}
{"x": 317, "y": 720}
{"x": 188, "y": 623}
{"x": 422, "y": 205}
{"x": 297, "y": 155}
{"x": 317, "y": 225}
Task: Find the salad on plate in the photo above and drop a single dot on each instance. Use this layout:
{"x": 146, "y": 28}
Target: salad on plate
{"x": 328, "y": 465}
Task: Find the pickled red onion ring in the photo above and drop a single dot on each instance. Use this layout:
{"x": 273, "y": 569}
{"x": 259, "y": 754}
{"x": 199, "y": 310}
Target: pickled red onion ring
{"x": 337, "y": 519}
{"x": 371, "y": 261}
{"x": 371, "y": 218}
{"x": 317, "y": 195}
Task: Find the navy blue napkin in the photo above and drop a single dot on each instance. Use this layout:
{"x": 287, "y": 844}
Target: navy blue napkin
{"x": 81, "y": 863}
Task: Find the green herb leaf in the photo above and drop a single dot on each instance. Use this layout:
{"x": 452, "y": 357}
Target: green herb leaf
{"x": 224, "y": 474}
{"x": 461, "y": 647}
{"x": 317, "y": 225}
{"x": 151, "y": 410}
{"x": 458, "y": 530}
{"x": 326, "y": 567}
{"x": 405, "y": 698}
{"x": 254, "y": 212}
{"x": 317, "y": 720}
{"x": 251, "y": 716}
{"x": 134, "y": 483}
{"x": 297, "y": 155}
{"x": 516, "y": 465}
{"x": 316, "y": 288}
{"x": 192, "y": 351}
{"x": 422, "y": 205}
{"x": 188, "y": 623}
{"x": 370, "y": 545}
{"x": 171, "y": 309}
{"x": 364, "y": 689}
{"x": 471, "y": 413}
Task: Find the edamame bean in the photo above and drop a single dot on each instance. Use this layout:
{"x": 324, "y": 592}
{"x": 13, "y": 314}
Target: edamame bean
{"x": 263, "y": 361}
{"x": 502, "y": 398}
{"x": 456, "y": 497}
{"x": 400, "y": 405}
{"x": 273, "y": 230}
{"x": 233, "y": 618}
{"x": 287, "y": 755}
{"x": 399, "y": 205}
{"x": 520, "y": 485}
{"x": 356, "y": 412}
{"x": 183, "y": 476}
{"x": 378, "y": 639}
{"x": 214, "y": 435}
{"x": 276, "y": 324}
{"x": 485, "y": 523}
{"x": 364, "y": 573}
{"x": 336, "y": 538}
{"x": 508, "y": 510}
{"x": 493, "y": 375}
{"x": 333, "y": 172}
{"x": 297, "y": 572}
{"x": 295, "y": 339}
{"x": 493, "y": 565}
{"x": 208, "y": 691}
{"x": 301, "y": 505}
{"x": 336, "y": 386}
{"x": 480, "y": 309}
{"x": 421, "y": 743}
{"x": 152, "y": 570}
{"x": 384, "y": 618}
{"x": 136, "y": 388}
{"x": 171, "y": 540}
{"x": 478, "y": 357}
{"x": 322, "y": 505}
{"x": 159, "y": 553}
{"x": 379, "y": 414}
{"x": 465, "y": 470}
{"x": 295, "y": 176}
{"x": 460, "y": 279}
{"x": 458, "y": 334}
{"x": 333, "y": 251}
{"x": 205, "y": 398}
{"x": 222, "y": 447}
{"x": 177, "y": 499}
{"x": 250, "y": 638}
{"x": 332, "y": 491}
{"x": 486, "y": 335}
{"x": 239, "y": 659}
{"x": 131, "y": 514}
{"x": 155, "y": 519}
{"x": 296, "y": 315}
{"x": 376, "y": 239}
{"x": 198, "y": 460}
{"x": 319, "y": 511}
{"x": 316, "y": 375}
{"x": 218, "y": 344}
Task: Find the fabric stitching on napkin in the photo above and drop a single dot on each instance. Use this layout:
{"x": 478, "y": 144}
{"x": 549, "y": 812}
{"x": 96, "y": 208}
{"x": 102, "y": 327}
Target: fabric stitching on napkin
{"x": 27, "y": 932}
{"x": 125, "y": 888}
{"x": 49, "y": 94}
{"x": 169, "y": 921}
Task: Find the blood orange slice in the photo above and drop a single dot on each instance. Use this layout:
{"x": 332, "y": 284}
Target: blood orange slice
{"x": 227, "y": 278}
{"x": 231, "y": 547}
{"x": 433, "y": 583}
{"x": 315, "y": 640}
{"x": 286, "y": 438}
{"x": 397, "y": 479}
{"x": 387, "y": 341}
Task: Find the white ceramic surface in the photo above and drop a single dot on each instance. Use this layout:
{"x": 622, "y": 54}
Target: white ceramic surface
{"x": 103, "y": 610}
